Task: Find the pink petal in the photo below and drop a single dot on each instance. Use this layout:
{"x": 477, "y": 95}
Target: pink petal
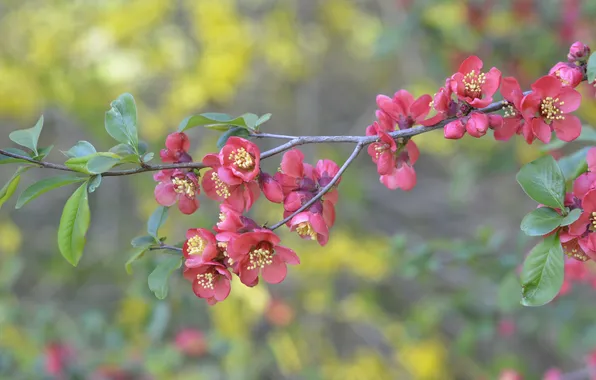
{"x": 584, "y": 183}
{"x": 202, "y": 292}
{"x": 292, "y": 163}
{"x": 386, "y": 163}
{"x": 388, "y": 106}
{"x": 406, "y": 177}
{"x": 570, "y": 98}
{"x": 248, "y": 276}
{"x": 568, "y": 129}
{"x": 589, "y": 202}
{"x": 211, "y": 160}
{"x": 455, "y": 130}
{"x": 187, "y": 205}
{"x": 222, "y": 288}
{"x": 165, "y": 194}
{"x": 390, "y": 180}
{"x": 227, "y": 176}
{"x": 541, "y": 130}
{"x": 591, "y": 158}
{"x": 420, "y": 108}
{"x": 413, "y": 152}
{"x": 469, "y": 64}
{"x": 511, "y": 90}
{"x": 547, "y": 86}
{"x": 403, "y": 99}
{"x": 508, "y": 129}
{"x": 491, "y": 83}
{"x": 275, "y": 272}
{"x": 288, "y": 255}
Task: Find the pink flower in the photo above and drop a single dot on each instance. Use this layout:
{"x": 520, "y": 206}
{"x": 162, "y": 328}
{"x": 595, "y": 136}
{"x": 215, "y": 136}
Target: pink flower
{"x": 191, "y": 342}
{"x": 477, "y": 124}
{"x": 230, "y": 219}
{"x": 403, "y": 109}
{"x": 578, "y": 53}
{"x": 577, "y": 239}
{"x": 383, "y": 151}
{"x": 403, "y": 175}
{"x": 473, "y": 86}
{"x": 547, "y": 108}
{"x": 513, "y": 122}
{"x": 177, "y": 146}
{"x": 259, "y": 252}
{"x": 311, "y": 226}
{"x": 553, "y": 374}
{"x": 271, "y": 188}
{"x": 58, "y": 358}
{"x": 200, "y": 245}
{"x": 210, "y": 280}
{"x": 442, "y": 103}
{"x": 177, "y": 186}
{"x": 454, "y": 130}
{"x": 239, "y": 160}
{"x": 569, "y": 74}
{"x": 506, "y": 327}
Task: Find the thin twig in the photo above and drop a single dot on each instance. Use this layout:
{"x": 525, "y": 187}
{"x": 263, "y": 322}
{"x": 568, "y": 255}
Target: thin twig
{"x": 325, "y": 189}
{"x": 166, "y": 247}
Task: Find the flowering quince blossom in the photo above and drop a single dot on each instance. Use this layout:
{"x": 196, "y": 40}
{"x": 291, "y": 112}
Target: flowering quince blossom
{"x": 200, "y": 245}
{"x": 513, "y": 122}
{"x": 177, "y": 146}
{"x": 176, "y": 185}
{"x": 191, "y": 342}
{"x": 259, "y": 252}
{"x": 578, "y": 53}
{"x": 547, "y": 108}
{"x": 210, "y": 279}
{"x": 569, "y": 74}
{"x": 311, "y": 226}
{"x": 403, "y": 109}
{"x": 473, "y": 86}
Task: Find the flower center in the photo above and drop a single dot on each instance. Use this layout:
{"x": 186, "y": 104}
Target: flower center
{"x": 196, "y": 245}
{"x": 509, "y": 111}
{"x": 305, "y": 229}
{"x": 550, "y": 111}
{"x": 184, "y": 186}
{"x": 573, "y": 251}
{"x": 206, "y": 280}
{"x": 260, "y": 257}
{"x": 242, "y": 159}
{"x": 473, "y": 82}
{"x": 221, "y": 189}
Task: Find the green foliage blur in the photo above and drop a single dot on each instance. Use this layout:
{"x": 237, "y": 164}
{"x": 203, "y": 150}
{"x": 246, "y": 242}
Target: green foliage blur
{"x": 418, "y": 285}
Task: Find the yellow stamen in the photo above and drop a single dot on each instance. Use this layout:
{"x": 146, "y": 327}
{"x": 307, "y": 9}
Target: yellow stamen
{"x": 550, "y": 109}
{"x": 242, "y": 159}
{"x": 184, "y": 186}
{"x": 305, "y": 229}
{"x": 473, "y": 83}
{"x": 206, "y": 280}
{"x": 259, "y": 258}
{"x": 221, "y": 189}
{"x": 196, "y": 245}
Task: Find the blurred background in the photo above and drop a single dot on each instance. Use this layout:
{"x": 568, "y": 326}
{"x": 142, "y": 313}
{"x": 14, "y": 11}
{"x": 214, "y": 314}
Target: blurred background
{"x": 417, "y": 285}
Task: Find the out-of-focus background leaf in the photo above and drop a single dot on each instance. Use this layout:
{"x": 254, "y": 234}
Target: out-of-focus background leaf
{"x": 418, "y": 285}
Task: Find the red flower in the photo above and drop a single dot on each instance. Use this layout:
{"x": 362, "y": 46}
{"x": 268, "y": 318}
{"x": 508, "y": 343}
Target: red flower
{"x": 240, "y": 196}
{"x": 578, "y": 240}
{"x": 230, "y": 219}
{"x": 239, "y": 160}
{"x": 210, "y": 280}
{"x": 553, "y": 374}
{"x": 514, "y": 122}
{"x": 177, "y": 186}
{"x": 403, "y": 109}
{"x": 383, "y": 151}
{"x": 311, "y": 226}
{"x": 271, "y": 188}
{"x": 58, "y": 358}
{"x": 578, "y": 53}
{"x": 442, "y": 103}
{"x": 191, "y": 342}
{"x": 200, "y": 245}
{"x": 259, "y": 252}
{"x": 473, "y": 86}
{"x": 403, "y": 175}
{"x": 177, "y": 146}
{"x": 547, "y": 108}
{"x": 569, "y": 74}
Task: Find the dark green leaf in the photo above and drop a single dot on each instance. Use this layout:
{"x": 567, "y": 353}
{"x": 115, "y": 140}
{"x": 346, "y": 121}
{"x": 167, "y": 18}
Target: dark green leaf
{"x": 591, "y": 69}
{"x": 28, "y": 137}
{"x": 80, "y": 149}
{"x": 121, "y": 121}
{"x": 543, "y": 272}
{"x": 74, "y": 224}
{"x": 158, "y": 279}
{"x": 541, "y": 221}
{"x": 217, "y": 121}
{"x": 9, "y": 160}
{"x": 102, "y": 163}
{"x": 543, "y": 181}
{"x": 236, "y": 131}
{"x": 157, "y": 219}
{"x": 574, "y": 164}
{"x": 44, "y": 186}
{"x": 571, "y": 217}
{"x": 94, "y": 183}
{"x": 140, "y": 241}
{"x": 11, "y": 186}
{"x": 135, "y": 254}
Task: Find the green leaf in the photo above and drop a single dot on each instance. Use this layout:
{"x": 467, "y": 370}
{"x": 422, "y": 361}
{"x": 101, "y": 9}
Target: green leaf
{"x": 9, "y": 160}
{"x": 80, "y": 149}
{"x": 571, "y": 217}
{"x": 74, "y": 224}
{"x": 121, "y": 121}
{"x": 148, "y": 157}
{"x": 135, "y": 254}
{"x": 543, "y": 181}
{"x": 543, "y": 272}
{"x": 591, "y": 69}
{"x": 156, "y": 220}
{"x": 541, "y": 221}
{"x": 158, "y": 279}
{"x": 11, "y": 186}
{"x": 263, "y": 119}
{"x": 212, "y": 120}
{"x": 94, "y": 183}
{"x": 236, "y": 131}
{"x": 122, "y": 150}
{"x": 28, "y": 137}
{"x": 251, "y": 121}
{"x": 44, "y": 186}
{"x": 140, "y": 241}
{"x": 102, "y": 163}
{"x": 574, "y": 164}
{"x": 43, "y": 152}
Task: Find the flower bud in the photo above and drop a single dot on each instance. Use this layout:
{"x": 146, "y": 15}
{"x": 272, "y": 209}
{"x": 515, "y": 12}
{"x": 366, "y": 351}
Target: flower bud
{"x": 271, "y": 188}
{"x": 455, "y": 130}
{"x": 578, "y": 53}
{"x": 569, "y": 75}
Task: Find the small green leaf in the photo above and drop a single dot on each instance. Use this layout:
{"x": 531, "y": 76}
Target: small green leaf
{"x": 102, "y": 163}
{"x": 28, "y": 137}
{"x": 148, "y": 157}
{"x": 543, "y": 272}
{"x": 44, "y": 186}
{"x": 135, "y": 254}
{"x": 74, "y": 224}
{"x": 11, "y": 186}
{"x": 80, "y": 149}
{"x": 121, "y": 121}
{"x": 543, "y": 181}
{"x": 591, "y": 69}
{"x": 43, "y": 152}
{"x": 236, "y": 131}
{"x": 251, "y": 120}
{"x": 541, "y": 221}
{"x": 122, "y": 150}
{"x": 158, "y": 279}
{"x": 571, "y": 217}
{"x": 94, "y": 183}
{"x": 9, "y": 160}
{"x": 212, "y": 120}
{"x": 263, "y": 119}
{"x": 574, "y": 164}
{"x": 157, "y": 219}
{"x": 140, "y": 241}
